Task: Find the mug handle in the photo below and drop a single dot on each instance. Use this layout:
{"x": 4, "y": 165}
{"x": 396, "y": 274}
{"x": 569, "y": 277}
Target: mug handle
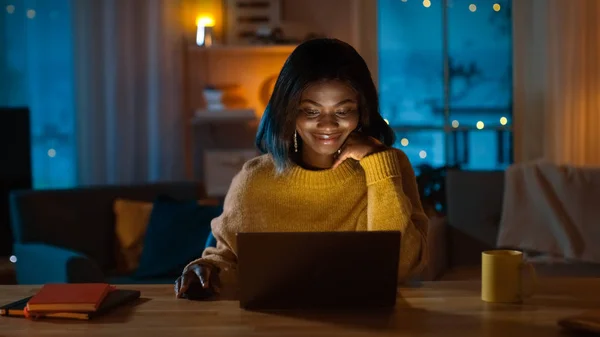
{"x": 532, "y": 280}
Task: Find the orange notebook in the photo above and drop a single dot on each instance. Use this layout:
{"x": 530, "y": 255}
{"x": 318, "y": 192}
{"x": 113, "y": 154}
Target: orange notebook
{"x": 72, "y": 297}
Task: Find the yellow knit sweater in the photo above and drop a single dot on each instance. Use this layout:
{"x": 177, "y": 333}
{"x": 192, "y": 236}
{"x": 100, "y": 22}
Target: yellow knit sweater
{"x": 377, "y": 193}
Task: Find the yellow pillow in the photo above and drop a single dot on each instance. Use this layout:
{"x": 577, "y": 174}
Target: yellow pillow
{"x": 131, "y": 222}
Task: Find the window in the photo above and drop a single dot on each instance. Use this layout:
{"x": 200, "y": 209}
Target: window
{"x": 36, "y": 71}
{"x": 445, "y": 80}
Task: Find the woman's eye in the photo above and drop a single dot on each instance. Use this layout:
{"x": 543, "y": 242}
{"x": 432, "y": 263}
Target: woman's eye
{"x": 343, "y": 113}
{"x": 311, "y": 112}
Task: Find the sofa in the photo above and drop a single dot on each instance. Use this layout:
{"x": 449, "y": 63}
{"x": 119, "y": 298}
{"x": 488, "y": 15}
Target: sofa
{"x": 68, "y": 235}
{"x": 477, "y": 210}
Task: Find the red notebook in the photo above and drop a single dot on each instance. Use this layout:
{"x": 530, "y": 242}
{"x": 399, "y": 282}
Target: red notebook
{"x": 71, "y": 297}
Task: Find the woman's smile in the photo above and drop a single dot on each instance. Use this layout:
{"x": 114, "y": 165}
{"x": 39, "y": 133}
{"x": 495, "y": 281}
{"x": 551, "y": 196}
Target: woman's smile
{"x": 327, "y": 139}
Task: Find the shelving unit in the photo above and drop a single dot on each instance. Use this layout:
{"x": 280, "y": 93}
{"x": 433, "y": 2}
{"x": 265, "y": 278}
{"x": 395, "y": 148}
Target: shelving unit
{"x": 207, "y": 116}
{"x": 243, "y": 49}
{"x": 248, "y": 72}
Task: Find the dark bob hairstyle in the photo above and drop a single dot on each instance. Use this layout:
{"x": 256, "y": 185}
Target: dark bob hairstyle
{"x": 313, "y": 61}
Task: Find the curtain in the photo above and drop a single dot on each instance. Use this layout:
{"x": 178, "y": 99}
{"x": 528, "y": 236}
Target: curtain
{"x": 128, "y": 89}
{"x": 557, "y": 81}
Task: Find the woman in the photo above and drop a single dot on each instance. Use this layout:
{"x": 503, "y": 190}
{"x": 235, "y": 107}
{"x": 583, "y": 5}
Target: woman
{"x": 328, "y": 165}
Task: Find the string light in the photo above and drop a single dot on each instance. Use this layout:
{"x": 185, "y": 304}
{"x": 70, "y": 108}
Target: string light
{"x": 472, "y": 7}
{"x": 455, "y": 123}
{"x": 496, "y": 7}
{"x": 503, "y": 120}
{"x": 423, "y": 154}
{"x": 31, "y": 13}
{"x": 426, "y": 3}
{"x": 12, "y": 259}
{"x": 480, "y": 125}
{"x": 404, "y": 142}
{"x": 386, "y": 121}
{"x": 51, "y": 153}
{"x": 10, "y": 9}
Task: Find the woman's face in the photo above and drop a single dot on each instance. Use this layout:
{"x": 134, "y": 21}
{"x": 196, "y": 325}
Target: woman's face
{"x": 328, "y": 114}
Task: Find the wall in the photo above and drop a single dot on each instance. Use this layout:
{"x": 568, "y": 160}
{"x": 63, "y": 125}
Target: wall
{"x": 333, "y": 18}
{"x": 556, "y": 81}
{"x": 352, "y": 21}
{"x": 529, "y": 63}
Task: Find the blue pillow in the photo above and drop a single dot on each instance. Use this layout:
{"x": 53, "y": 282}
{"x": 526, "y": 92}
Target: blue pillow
{"x": 176, "y": 234}
{"x": 211, "y": 241}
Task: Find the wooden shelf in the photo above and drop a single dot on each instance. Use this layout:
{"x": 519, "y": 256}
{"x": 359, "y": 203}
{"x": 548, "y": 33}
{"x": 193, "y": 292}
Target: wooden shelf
{"x": 226, "y": 115}
{"x": 248, "y": 49}
{"x": 248, "y": 71}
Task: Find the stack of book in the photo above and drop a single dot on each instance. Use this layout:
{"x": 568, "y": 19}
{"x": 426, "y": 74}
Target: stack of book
{"x": 70, "y": 300}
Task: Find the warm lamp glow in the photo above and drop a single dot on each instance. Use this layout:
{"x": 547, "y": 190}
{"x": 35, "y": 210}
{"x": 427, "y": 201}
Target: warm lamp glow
{"x": 205, "y": 20}
{"x": 204, "y": 30}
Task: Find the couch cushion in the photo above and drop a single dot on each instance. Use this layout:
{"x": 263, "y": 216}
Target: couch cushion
{"x": 131, "y": 222}
{"x": 474, "y": 201}
{"x": 552, "y": 210}
{"x": 176, "y": 234}
{"x": 82, "y": 219}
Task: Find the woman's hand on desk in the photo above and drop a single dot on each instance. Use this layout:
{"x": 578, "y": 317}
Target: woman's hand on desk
{"x": 197, "y": 282}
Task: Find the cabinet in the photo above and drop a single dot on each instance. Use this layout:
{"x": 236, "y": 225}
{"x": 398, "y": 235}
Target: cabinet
{"x": 222, "y": 142}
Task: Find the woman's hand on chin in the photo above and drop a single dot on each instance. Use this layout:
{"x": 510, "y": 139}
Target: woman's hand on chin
{"x": 357, "y": 146}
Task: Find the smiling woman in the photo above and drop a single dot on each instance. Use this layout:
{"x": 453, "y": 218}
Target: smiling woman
{"x": 328, "y": 165}
{"x": 326, "y": 82}
{"x": 328, "y": 114}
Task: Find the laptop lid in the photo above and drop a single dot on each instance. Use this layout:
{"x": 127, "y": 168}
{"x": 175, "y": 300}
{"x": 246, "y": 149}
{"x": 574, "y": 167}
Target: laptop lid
{"x": 318, "y": 269}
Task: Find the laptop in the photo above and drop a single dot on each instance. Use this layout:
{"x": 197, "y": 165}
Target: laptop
{"x": 324, "y": 270}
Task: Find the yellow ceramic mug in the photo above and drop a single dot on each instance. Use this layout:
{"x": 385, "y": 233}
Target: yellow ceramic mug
{"x": 502, "y": 276}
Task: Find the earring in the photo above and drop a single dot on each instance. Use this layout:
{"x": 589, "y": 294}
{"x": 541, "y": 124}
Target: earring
{"x": 295, "y": 141}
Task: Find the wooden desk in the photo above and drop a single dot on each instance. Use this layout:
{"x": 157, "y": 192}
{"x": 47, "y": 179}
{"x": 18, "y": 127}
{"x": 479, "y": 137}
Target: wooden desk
{"x": 431, "y": 309}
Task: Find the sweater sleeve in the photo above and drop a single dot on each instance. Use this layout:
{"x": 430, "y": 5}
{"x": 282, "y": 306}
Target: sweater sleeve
{"x": 393, "y": 203}
{"x": 224, "y": 229}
